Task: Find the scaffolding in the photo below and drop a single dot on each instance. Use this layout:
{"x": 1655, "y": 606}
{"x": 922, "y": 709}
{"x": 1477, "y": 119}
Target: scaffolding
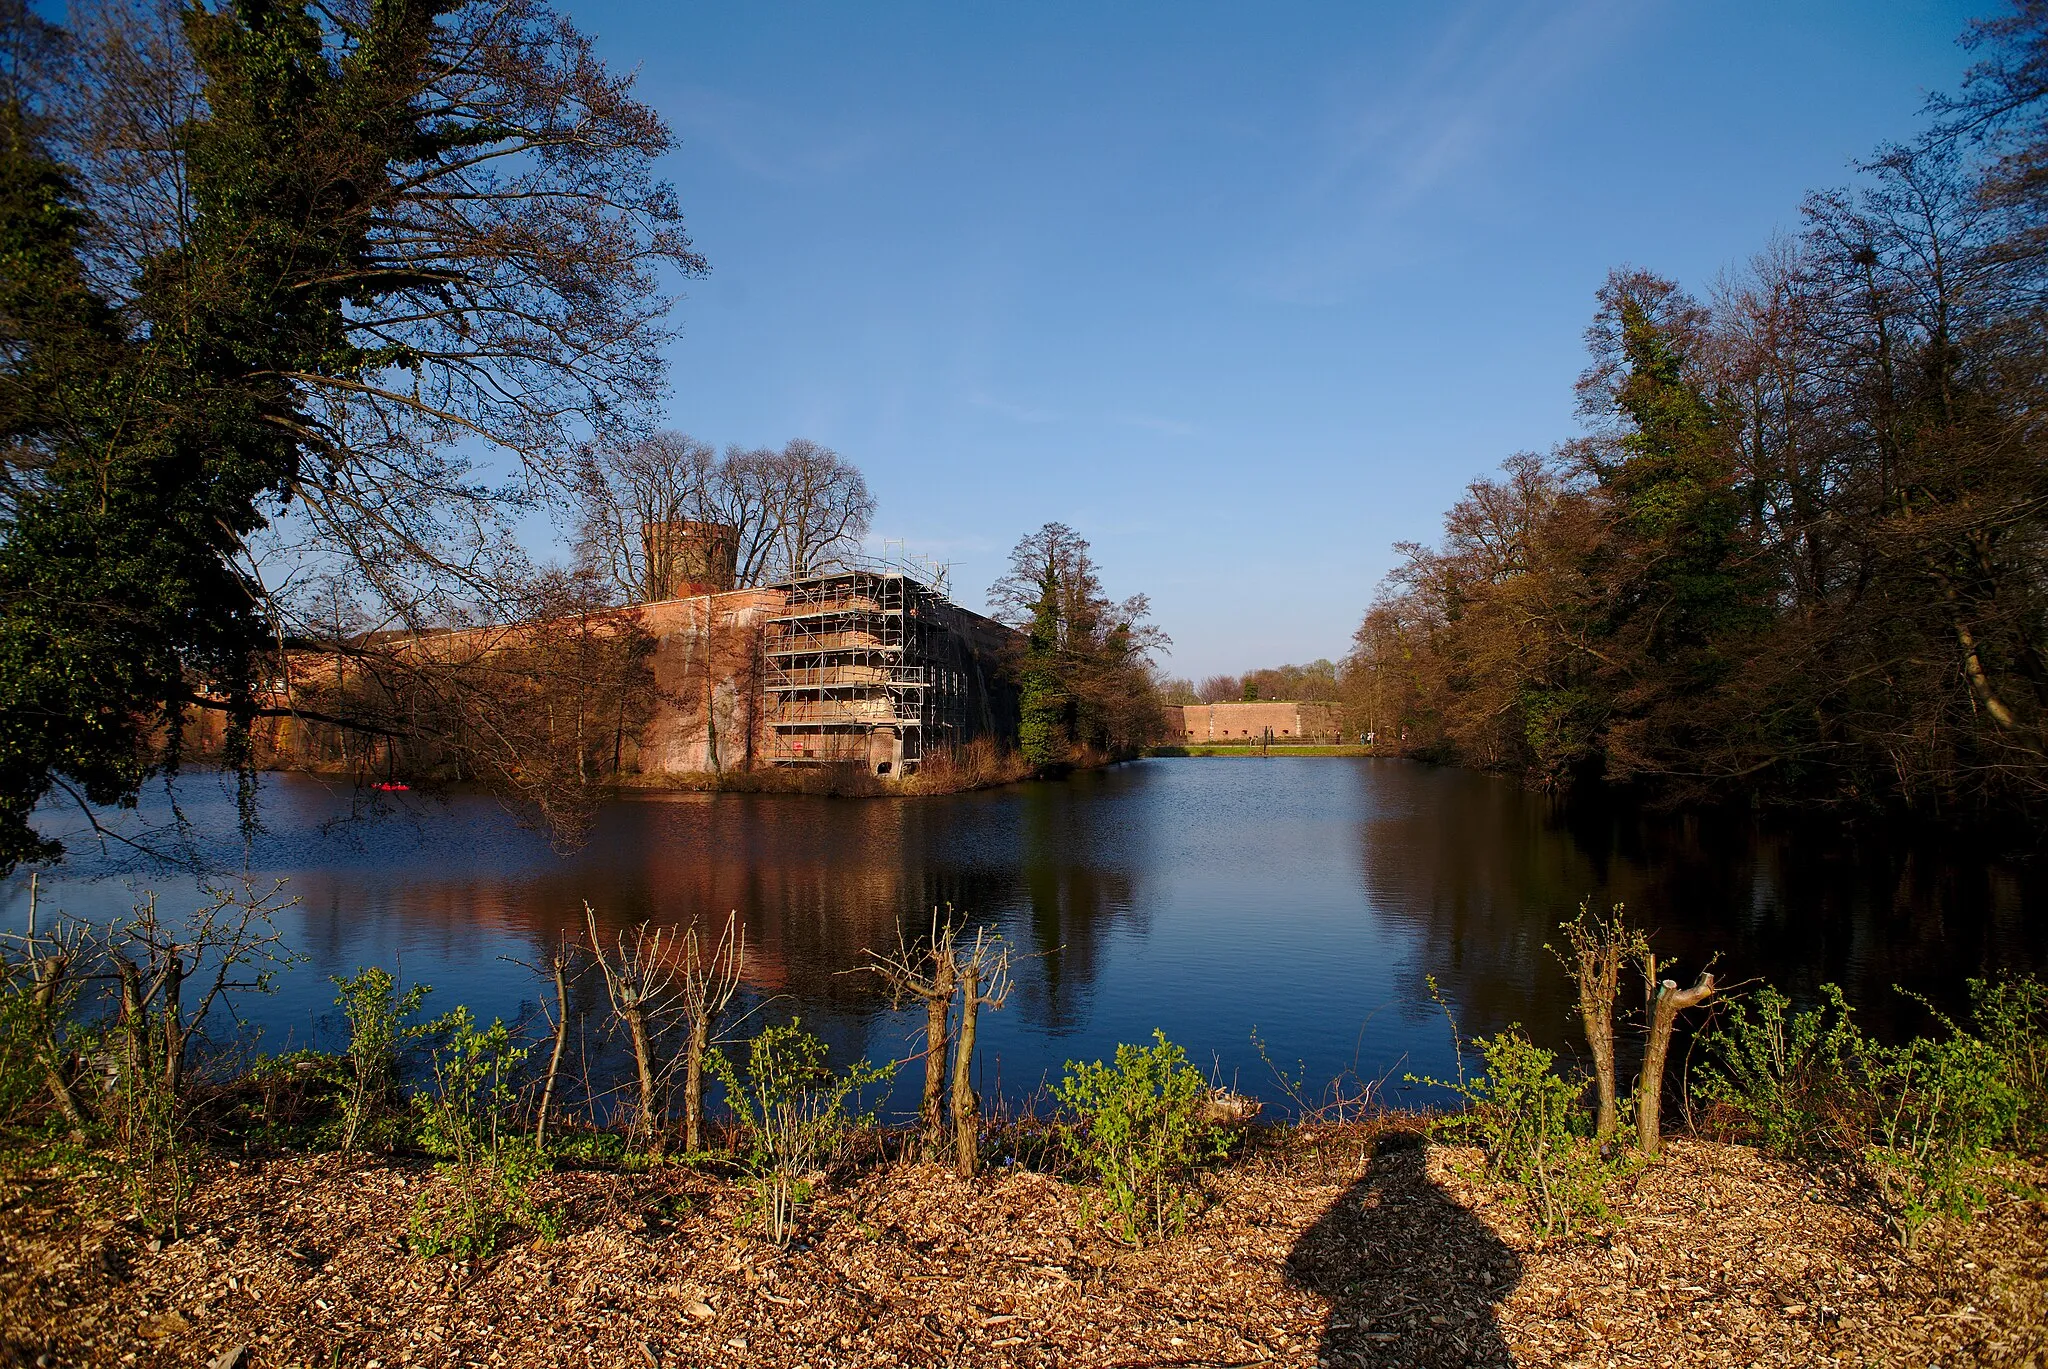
{"x": 870, "y": 667}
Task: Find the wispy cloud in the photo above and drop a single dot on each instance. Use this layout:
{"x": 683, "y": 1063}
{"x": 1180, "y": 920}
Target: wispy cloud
{"x": 1472, "y": 93}
{"x": 770, "y": 143}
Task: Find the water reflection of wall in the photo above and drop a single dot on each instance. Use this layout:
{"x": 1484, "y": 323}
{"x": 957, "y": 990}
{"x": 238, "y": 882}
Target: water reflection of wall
{"x": 1484, "y": 872}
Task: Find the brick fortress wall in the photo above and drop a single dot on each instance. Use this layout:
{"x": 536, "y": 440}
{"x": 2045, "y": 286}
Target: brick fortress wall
{"x": 1247, "y": 722}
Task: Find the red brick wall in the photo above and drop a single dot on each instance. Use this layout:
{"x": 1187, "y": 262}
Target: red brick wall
{"x": 1247, "y": 722}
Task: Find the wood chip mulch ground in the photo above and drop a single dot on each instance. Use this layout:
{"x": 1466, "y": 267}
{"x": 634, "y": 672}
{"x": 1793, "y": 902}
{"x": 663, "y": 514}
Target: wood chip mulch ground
{"x": 1324, "y": 1249}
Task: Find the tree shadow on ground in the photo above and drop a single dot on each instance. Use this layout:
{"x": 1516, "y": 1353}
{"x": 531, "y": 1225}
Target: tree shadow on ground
{"x": 1411, "y": 1277}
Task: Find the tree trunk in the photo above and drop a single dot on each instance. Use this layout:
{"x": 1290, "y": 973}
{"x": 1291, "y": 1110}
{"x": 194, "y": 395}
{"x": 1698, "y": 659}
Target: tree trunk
{"x": 643, "y": 1060}
{"x": 936, "y": 1007}
{"x": 173, "y": 1075}
{"x": 134, "y": 1023}
{"x": 693, "y": 1083}
{"x": 966, "y": 1107}
{"x": 1599, "y": 978}
{"x": 547, "y": 1092}
{"x": 1980, "y": 682}
{"x": 1669, "y": 1002}
{"x": 49, "y": 982}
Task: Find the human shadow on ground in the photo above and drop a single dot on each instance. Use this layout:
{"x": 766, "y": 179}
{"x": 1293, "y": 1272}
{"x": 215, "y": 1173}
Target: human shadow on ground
{"x": 1411, "y": 1277}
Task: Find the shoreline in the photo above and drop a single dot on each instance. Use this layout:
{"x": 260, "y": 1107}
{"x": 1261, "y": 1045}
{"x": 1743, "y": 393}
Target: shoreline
{"x": 1208, "y": 749}
{"x": 937, "y": 777}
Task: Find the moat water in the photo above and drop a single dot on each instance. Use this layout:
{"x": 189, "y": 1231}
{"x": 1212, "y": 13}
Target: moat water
{"x": 1301, "y": 903}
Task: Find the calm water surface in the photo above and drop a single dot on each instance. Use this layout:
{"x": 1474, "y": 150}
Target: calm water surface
{"x": 1303, "y": 899}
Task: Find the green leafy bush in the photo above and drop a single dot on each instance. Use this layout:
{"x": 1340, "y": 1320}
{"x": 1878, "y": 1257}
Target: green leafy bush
{"x": 1527, "y": 1119}
{"x": 589, "y": 1149}
{"x": 488, "y": 1170}
{"x": 1139, "y": 1128}
{"x": 1927, "y": 1119}
{"x": 794, "y": 1112}
{"x": 284, "y": 1100}
{"x": 1940, "y": 1107}
{"x": 1788, "y": 1076}
{"x": 380, "y": 1026}
{"x": 22, "y": 1035}
{"x": 2011, "y": 1016}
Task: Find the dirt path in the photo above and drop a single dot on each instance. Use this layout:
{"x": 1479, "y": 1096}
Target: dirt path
{"x": 1327, "y": 1250}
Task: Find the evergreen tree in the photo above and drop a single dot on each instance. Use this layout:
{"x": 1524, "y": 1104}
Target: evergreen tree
{"x": 1044, "y": 736}
{"x": 1671, "y": 590}
{"x": 1084, "y": 666}
{"x": 89, "y": 563}
{"x": 1674, "y": 511}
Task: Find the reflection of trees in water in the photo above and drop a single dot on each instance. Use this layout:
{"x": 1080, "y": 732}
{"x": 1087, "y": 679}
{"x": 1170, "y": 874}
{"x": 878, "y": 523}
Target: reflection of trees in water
{"x": 1485, "y": 872}
{"x": 1078, "y": 875}
{"x": 1467, "y": 863}
{"x": 813, "y": 881}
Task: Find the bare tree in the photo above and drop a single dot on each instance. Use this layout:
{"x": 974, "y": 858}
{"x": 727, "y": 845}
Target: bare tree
{"x": 540, "y": 709}
{"x": 791, "y": 511}
{"x": 623, "y": 497}
{"x": 640, "y": 976}
{"x": 559, "y": 964}
{"x": 744, "y": 493}
{"x": 1666, "y": 1001}
{"x": 819, "y": 505}
{"x": 1599, "y": 947}
{"x": 926, "y": 972}
{"x": 798, "y": 510}
{"x": 983, "y": 972}
{"x": 50, "y": 961}
{"x": 709, "y": 982}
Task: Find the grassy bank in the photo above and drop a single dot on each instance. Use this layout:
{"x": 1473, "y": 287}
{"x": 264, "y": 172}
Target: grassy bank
{"x": 976, "y": 766}
{"x": 1275, "y": 750}
{"x": 979, "y": 765}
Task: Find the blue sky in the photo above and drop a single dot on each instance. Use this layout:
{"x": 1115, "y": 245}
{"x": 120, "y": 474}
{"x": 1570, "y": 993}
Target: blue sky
{"x": 1245, "y": 294}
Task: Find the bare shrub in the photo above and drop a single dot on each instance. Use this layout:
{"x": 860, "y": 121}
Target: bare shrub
{"x": 40, "y": 1038}
{"x": 641, "y": 970}
{"x": 925, "y": 972}
{"x": 709, "y": 982}
{"x": 982, "y": 970}
{"x": 1599, "y": 947}
{"x": 172, "y": 977}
